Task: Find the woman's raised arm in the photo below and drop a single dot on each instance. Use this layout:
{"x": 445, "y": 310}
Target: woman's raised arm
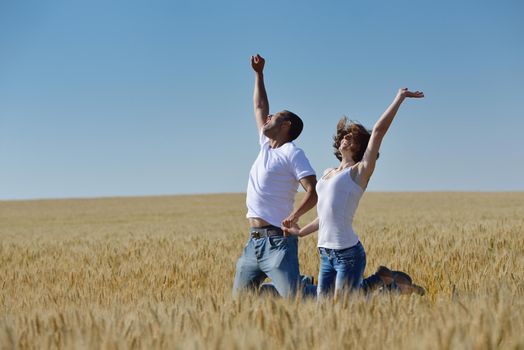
{"x": 367, "y": 164}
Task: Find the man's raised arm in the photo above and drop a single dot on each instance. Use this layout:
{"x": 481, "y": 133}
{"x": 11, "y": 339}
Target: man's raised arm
{"x": 260, "y": 101}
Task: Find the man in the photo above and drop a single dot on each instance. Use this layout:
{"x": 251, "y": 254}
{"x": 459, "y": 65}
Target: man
{"x": 273, "y": 183}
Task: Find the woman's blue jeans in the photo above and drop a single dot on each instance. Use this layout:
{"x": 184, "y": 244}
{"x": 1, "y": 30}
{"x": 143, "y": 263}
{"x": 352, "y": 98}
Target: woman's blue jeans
{"x": 341, "y": 269}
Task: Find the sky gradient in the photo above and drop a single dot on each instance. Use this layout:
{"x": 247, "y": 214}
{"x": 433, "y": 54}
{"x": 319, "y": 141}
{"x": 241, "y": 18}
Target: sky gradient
{"x": 129, "y": 98}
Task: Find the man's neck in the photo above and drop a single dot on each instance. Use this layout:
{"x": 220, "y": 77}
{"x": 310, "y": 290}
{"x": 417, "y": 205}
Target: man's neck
{"x": 278, "y": 142}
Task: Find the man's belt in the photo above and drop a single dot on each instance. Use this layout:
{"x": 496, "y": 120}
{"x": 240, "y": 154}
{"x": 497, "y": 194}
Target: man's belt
{"x": 265, "y": 231}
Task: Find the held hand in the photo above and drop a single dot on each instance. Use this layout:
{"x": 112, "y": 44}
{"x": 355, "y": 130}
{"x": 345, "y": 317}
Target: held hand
{"x": 258, "y": 62}
{"x": 292, "y": 230}
{"x": 290, "y": 220}
{"x": 404, "y": 92}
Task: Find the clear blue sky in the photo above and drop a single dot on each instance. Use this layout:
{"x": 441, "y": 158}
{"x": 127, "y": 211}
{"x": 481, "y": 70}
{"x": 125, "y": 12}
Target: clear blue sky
{"x": 109, "y": 98}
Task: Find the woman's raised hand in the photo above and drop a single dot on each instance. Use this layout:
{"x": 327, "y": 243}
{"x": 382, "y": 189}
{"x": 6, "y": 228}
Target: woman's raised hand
{"x": 404, "y": 92}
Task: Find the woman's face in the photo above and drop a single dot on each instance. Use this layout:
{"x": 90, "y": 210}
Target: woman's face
{"x": 346, "y": 142}
{"x": 348, "y": 145}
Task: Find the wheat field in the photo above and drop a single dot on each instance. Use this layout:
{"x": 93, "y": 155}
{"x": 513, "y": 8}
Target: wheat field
{"x": 156, "y": 273}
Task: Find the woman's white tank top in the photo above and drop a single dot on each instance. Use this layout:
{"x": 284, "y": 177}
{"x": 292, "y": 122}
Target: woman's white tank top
{"x": 338, "y": 199}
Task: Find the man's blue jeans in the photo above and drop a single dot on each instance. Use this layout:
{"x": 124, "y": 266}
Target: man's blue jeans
{"x": 342, "y": 269}
{"x": 275, "y": 257}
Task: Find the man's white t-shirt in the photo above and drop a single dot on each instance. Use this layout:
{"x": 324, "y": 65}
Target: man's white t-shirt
{"x": 274, "y": 179}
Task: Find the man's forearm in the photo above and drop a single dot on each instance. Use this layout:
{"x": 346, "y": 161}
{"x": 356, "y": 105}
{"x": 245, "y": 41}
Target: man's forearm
{"x": 308, "y": 202}
{"x": 260, "y": 101}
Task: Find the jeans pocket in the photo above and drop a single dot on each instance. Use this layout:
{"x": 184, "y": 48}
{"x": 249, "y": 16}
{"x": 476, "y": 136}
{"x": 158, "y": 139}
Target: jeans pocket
{"x": 346, "y": 258}
{"x": 323, "y": 255}
{"x": 277, "y": 242}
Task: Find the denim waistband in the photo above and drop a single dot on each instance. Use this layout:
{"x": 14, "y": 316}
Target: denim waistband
{"x": 329, "y": 250}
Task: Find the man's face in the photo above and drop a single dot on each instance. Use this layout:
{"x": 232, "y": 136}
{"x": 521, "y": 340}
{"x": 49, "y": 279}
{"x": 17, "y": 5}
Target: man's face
{"x": 273, "y": 124}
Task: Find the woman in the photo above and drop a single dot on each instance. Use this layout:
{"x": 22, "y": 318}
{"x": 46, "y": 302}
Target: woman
{"x": 342, "y": 257}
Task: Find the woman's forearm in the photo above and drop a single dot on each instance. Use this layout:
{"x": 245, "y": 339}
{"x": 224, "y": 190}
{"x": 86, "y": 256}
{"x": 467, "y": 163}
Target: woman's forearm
{"x": 383, "y": 124}
{"x": 309, "y": 228}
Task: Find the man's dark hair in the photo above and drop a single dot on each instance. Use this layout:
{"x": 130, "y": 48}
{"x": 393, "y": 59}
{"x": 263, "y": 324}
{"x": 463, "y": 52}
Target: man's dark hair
{"x": 296, "y": 124}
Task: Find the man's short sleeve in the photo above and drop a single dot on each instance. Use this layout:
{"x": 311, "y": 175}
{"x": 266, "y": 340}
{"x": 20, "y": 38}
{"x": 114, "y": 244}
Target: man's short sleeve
{"x": 262, "y": 139}
{"x": 301, "y": 166}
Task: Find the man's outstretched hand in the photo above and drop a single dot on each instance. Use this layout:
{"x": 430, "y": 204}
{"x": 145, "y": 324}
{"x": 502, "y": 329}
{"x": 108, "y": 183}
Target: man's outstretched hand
{"x": 258, "y": 62}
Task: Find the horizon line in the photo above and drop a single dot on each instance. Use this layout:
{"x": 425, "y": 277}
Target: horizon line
{"x": 228, "y": 193}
